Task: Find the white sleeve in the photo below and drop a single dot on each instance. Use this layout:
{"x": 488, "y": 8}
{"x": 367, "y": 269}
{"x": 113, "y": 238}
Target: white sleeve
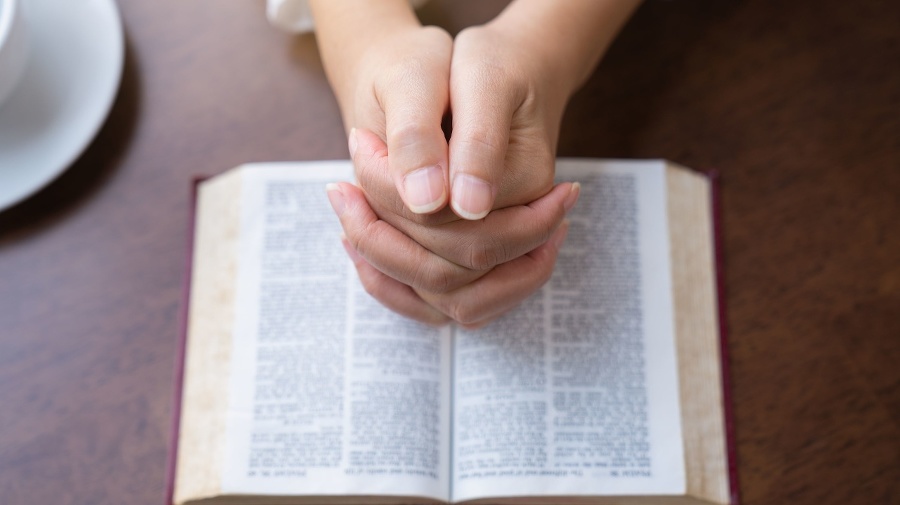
{"x": 290, "y": 15}
{"x": 294, "y": 15}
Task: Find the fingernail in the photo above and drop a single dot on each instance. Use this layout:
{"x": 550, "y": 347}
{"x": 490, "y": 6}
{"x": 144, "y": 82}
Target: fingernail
{"x": 471, "y": 197}
{"x": 423, "y": 189}
{"x": 351, "y": 143}
{"x": 560, "y": 235}
{"x": 572, "y": 197}
{"x": 335, "y": 197}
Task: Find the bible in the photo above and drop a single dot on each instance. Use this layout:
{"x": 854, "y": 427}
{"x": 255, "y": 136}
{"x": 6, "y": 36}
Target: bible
{"x": 607, "y": 386}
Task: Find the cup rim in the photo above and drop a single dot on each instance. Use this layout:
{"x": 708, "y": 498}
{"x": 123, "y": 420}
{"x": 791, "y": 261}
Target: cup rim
{"x": 7, "y": 15}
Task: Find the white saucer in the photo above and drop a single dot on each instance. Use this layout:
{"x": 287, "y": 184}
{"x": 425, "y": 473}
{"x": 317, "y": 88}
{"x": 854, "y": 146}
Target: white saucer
{"x": 71, "y": 78}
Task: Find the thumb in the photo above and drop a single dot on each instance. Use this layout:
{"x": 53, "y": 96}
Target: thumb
{"x": 482, "y": 115}
{"x": 417, "y": 149}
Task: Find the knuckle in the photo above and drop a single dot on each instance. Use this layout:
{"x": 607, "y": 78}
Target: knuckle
{"x": 355, "y": 235}
{"x": 475, "y": 326}
{"x": 433, "y": 279}
{"x": 365, "y": 169}
{"x": 366, "y": 238}
{"x": 365, "y": 160}
{"x": 543, "y": 178}
{"x": 530, "y": 177}
{"x": 480, "y": 138}
{"x": 547, "y": 228}
{"x": 406, "y": 134}
{"x": 462, "y": 312}
{"x": 487, "y": 253}
{"x": 373, "y": 284}
{"x": 374, "y": 289}
{"x": 378, "y": 290}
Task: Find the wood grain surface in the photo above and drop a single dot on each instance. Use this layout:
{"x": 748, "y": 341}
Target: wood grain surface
{"x": 797, "y": 104}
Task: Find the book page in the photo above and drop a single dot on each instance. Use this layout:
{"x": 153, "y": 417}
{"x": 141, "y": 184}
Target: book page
{"x": 330, "y": 393}
{"x": 576, "y": 391}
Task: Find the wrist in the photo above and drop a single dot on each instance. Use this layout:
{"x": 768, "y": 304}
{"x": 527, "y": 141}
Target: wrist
{"x": 548, "y": 69}
{"x": 347, "y": 30}
{"x": 566, "y": 37}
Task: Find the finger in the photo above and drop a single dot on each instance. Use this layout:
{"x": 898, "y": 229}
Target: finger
{"x": 392, "y": 294}
{"x": 483, "y": 107}
{"x": 506, "y": 234}
{"x": 370, "y": 163}
{"x": 370, "y": 160}
{"x": 502, "y": 236}
{"x": 503, "y": 288}
{"x": 389, "y": 250}
{"x": 414, "y": 101}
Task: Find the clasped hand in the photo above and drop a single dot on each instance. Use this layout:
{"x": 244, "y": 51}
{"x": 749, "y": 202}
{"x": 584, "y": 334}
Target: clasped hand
{"x": 461, "y": 230}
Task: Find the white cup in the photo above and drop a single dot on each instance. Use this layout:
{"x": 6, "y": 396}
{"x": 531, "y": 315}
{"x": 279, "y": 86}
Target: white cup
{"x": 13, "y": 46}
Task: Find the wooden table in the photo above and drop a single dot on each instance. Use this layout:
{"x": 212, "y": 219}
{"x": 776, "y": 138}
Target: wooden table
{"x": 796, "y": 103}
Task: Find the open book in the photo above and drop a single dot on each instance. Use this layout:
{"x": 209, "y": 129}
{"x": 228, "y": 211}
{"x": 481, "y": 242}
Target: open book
{"x": 606, "y": 386}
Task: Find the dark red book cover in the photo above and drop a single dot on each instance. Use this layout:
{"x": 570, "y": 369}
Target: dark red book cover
{"x": 731, "y": 444}
{"x": 181, "y": 345}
